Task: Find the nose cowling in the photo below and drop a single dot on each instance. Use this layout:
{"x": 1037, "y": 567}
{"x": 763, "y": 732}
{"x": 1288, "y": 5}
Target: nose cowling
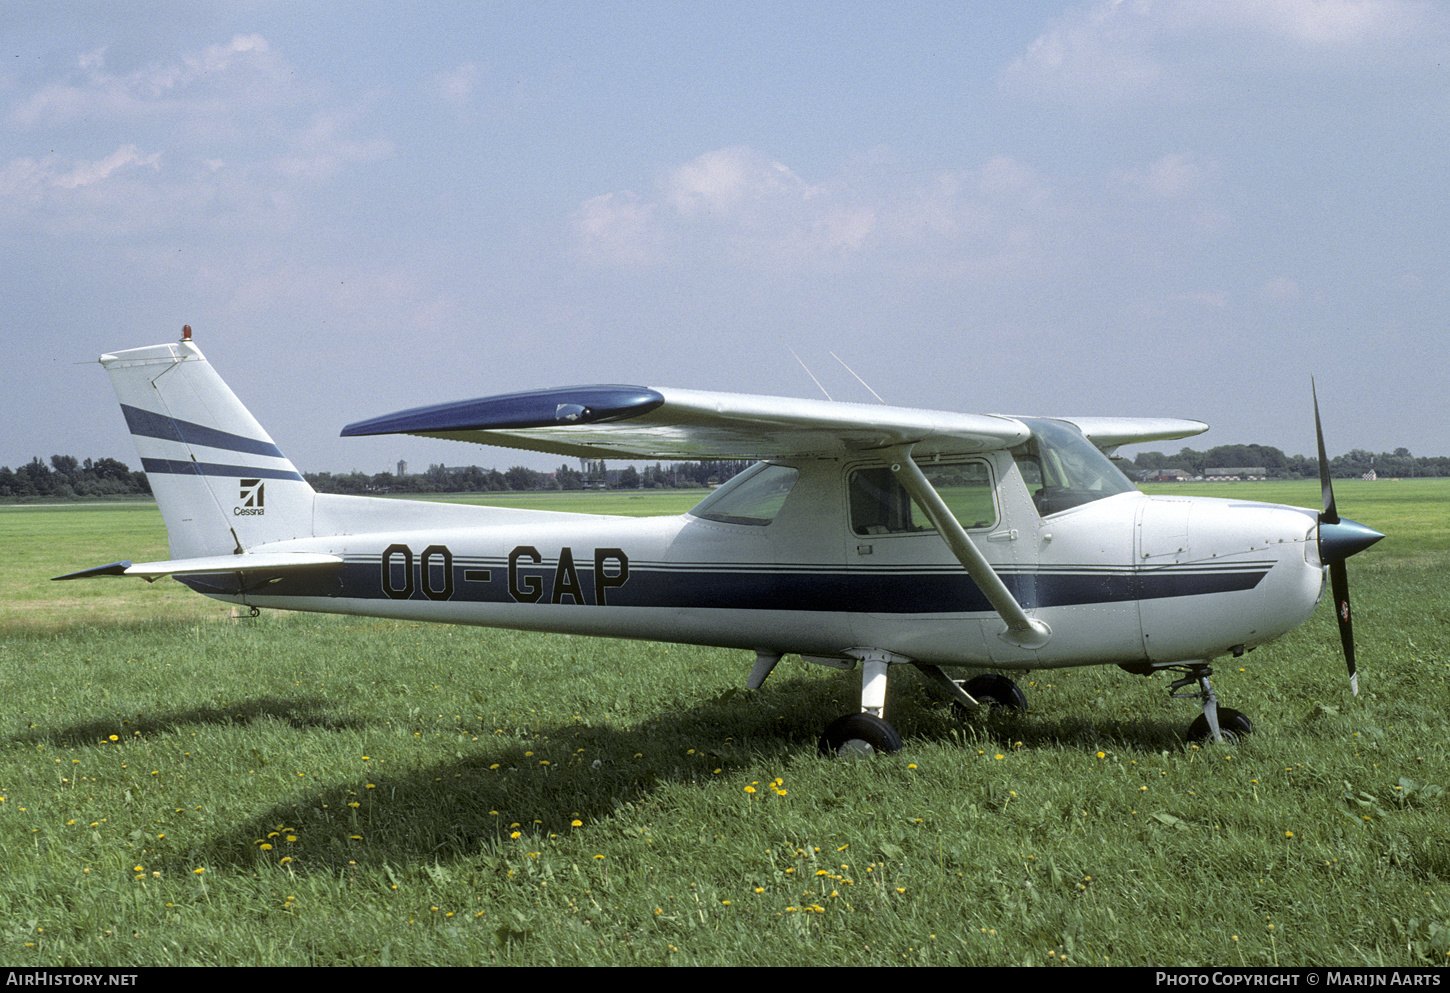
{"x": 1343, "y": 538}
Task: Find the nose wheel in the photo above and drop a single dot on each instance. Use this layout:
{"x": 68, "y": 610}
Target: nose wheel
{"x": 1219, "y": 724}
{"x": 1232, "y": 726}
{"x": 859, "y": 734}
{"x": 865, "y": 732}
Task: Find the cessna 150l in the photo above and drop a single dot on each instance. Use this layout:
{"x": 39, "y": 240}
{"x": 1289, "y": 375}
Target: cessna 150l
{"x": 868, "y": 535}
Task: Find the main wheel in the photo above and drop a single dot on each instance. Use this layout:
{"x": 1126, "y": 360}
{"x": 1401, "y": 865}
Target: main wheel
{"x": 992, "y": 689}
{"x": 1233, "y": 724}
{"x": 861, "y": 734}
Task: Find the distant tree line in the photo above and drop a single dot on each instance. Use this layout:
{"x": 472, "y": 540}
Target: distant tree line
{"x": 65, "y": 477}
{"x": 1399, "y": 463}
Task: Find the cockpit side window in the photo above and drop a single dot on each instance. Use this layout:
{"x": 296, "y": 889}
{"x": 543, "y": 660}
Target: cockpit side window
{"x": 1062, "y": 469}
{"x": 879, "y": 504}
{"x": 754, "y": 497}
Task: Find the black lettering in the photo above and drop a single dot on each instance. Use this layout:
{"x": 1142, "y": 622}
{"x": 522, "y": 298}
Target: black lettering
{"x": 533, "y": 587}
{"x": 405, "y": 591}
{"x": 566, "y": 579}
{"x": 602, "y": 579}
{"x": 425, "y": 573}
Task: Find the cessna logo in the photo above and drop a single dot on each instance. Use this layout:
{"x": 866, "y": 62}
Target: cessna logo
{"x": 252, "y": 498}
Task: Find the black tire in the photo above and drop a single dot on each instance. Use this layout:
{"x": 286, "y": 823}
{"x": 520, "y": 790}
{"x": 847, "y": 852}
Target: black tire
{"x": 993, "y": 689}
{"x": 859, "y": 734}
{"x": 1233, "y": 724}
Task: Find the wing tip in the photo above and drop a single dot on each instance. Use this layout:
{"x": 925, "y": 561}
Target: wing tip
{"x": 565, "y": 406}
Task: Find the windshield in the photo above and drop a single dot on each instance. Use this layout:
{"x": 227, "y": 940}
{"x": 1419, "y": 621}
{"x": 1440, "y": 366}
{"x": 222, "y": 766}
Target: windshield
{"x": 1063, "y": 469}
{"x": 753, "y": 497}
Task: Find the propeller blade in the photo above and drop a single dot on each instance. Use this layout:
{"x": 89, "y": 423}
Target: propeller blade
{"x": 1338, "y": 540}
{"x": 1330, "y": 514}
{"x": 1339, "y": 583}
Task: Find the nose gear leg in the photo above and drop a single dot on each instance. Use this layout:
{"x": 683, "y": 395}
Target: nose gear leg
{"x": 1217, "y": 724}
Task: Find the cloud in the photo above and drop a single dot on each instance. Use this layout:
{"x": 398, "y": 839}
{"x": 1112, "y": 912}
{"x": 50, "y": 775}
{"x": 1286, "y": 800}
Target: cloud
{"x": 231, "y": 134}
{"x": 100, "y": 196}
{"x": 457, "y": 86}
{"x": 1320, "y": 24}
{"x": 1280, "y": 290}
{"x": 1171, "y": 177}
{"x": 243, "y": 76}
{"x": 1115, "y": 52}
{"x": 739, "y": 206}
{"x": 86, "y": 173}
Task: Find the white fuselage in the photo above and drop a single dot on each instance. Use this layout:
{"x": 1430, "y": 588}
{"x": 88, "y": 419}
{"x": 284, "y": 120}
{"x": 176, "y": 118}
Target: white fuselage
{"x": 1127, "y": 579}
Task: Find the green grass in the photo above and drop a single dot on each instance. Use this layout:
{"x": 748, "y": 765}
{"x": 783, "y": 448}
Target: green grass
{"x": 447, "y": 795}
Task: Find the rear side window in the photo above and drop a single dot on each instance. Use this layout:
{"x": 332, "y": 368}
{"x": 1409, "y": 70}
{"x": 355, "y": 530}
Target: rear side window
{"x": 879, "y": 504}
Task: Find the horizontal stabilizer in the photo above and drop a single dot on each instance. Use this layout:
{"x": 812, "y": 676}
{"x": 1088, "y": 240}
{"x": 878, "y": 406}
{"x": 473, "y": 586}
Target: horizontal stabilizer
{"x": 250, "y": 562}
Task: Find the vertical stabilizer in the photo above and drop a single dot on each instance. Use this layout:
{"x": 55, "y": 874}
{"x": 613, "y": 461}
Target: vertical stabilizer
{"x": 222, "y": 484}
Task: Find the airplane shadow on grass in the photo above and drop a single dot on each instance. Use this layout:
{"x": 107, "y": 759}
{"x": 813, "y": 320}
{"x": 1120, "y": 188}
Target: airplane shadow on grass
{"x": 299, "y": 713}
{"x": 580, "y": 771}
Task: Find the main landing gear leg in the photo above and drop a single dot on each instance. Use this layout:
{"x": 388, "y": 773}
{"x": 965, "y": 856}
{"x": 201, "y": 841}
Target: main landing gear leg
{"x": 1217, "y": 724}
{"x": 867, "y": 731}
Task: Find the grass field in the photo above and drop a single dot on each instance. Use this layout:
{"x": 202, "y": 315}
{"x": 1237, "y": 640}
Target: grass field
{"x": 177, "y": 787}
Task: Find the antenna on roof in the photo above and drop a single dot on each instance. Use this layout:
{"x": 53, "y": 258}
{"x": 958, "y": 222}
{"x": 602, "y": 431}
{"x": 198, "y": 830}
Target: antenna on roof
{"x": 859, "y": 379}
{"x": 809, "y": 373}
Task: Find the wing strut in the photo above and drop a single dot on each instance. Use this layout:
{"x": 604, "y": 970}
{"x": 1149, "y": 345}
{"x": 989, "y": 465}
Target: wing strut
{"x": 1022, "y": 631}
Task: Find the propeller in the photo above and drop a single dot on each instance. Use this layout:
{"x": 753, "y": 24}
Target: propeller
{"x": 1338, "y": 540}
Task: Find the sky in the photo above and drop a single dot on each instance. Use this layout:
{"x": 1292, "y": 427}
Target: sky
{"x": 1179, "y": 208}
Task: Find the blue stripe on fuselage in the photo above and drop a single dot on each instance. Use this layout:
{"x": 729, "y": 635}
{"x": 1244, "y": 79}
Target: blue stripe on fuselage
{"x": 759, "y": 588}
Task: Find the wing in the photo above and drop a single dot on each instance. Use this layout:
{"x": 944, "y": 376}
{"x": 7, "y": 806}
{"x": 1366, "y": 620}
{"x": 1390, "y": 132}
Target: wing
{"x": 1109, "y": 432}
{"x": 636, "y": 422}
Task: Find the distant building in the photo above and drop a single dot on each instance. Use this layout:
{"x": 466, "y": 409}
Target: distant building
{"x": 402, "y": 468}
{"x": 1168, "y": 476}
{"x": 1230, "y": 473}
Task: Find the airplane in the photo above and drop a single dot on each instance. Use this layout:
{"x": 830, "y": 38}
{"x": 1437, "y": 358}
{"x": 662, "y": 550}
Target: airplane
{"x": 862, "y": 535}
